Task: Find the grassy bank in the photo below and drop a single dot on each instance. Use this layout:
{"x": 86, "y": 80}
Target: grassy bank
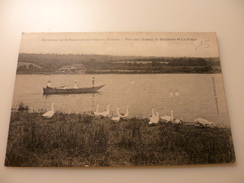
{"x": 80, "y": 140}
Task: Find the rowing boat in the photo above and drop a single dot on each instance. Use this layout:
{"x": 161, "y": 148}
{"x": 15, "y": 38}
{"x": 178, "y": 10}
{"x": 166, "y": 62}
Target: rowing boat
{"x": 53, "y": 90}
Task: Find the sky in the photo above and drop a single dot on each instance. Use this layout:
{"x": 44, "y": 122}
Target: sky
{"x": 122, "y": 44}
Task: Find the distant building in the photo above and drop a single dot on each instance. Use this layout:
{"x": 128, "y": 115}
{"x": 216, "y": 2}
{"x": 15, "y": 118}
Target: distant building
{"x": 164, "y": 62}
{"x": 75, "y": 68}
{"x": 139, "y": 62}
{"x": 132, "y": 62}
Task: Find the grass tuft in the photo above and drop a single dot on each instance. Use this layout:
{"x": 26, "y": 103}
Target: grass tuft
{"x": 23, "y": 107}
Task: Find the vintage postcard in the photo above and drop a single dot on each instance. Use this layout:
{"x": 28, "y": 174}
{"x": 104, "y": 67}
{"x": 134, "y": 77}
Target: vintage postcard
{"x": 118, "y": 99}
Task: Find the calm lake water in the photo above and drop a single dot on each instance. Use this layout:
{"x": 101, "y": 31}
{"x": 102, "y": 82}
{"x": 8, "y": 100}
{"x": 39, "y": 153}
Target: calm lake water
{"x": 188, "y": 95}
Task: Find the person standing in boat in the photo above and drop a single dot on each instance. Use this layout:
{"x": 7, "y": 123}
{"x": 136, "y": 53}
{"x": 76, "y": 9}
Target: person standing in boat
{"x": 93, "y": 81}
{"x": 49, "y": 84}
{"x": 76, "y": 84}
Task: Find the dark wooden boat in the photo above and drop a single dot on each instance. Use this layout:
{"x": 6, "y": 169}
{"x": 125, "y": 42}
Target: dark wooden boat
{"x": 49, "y": 91}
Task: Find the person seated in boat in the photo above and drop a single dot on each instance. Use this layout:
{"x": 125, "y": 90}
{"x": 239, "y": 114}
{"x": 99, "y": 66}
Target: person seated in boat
{"x": 49, "y": 84}
{"x": 76, "y": 85}
{"x": 65, "y": 86}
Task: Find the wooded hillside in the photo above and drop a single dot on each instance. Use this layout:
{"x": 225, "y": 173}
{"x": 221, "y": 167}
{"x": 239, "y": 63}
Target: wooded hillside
{"x": 50, "y": 63}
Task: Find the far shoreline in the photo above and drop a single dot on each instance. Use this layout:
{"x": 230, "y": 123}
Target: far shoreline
{"x": 109, "y": 73}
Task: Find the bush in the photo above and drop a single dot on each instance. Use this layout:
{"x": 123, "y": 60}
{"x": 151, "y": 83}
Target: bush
{"x": 23, "y": 107}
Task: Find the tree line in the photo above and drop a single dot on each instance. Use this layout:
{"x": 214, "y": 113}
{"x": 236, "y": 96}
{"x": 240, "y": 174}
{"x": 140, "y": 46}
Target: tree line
{"x": 50, "y": 63}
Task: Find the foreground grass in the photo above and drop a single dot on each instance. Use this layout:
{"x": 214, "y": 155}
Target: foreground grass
{"x": 81, "y": 140}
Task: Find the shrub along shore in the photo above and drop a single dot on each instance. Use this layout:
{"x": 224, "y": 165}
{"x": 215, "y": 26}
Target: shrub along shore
{"x": 76, "y": 140}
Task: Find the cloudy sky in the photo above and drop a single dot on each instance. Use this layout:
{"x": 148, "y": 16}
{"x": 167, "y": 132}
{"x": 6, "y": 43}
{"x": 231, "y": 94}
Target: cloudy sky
{"x": 123, "y": 44}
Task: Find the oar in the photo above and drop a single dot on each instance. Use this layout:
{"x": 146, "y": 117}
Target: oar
{"x": 62, "y": 86}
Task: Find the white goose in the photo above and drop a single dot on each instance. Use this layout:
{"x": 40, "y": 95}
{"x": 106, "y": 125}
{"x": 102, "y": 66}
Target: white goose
{"x": 153, "y": 112}
{"x": 116, "y": 118}
{"x": 178, "y": 121}
{"x": 171, "y": 94}
{"x": 124, "y": 116}
{"x": 49, "y": 114}
{"x": 168, "y": 118}
{"x": 105, "y": 113}
{"x": 204, "y": 122}
{"x": 154, "y": 119}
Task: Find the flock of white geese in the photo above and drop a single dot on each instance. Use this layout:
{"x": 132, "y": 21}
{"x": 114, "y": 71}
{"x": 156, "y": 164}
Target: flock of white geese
{"x": 107, "y": 113}
{"x": 153, "y": 119}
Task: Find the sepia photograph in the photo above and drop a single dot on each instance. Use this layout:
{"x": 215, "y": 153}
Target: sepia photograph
{"x": 113, "y": 99}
